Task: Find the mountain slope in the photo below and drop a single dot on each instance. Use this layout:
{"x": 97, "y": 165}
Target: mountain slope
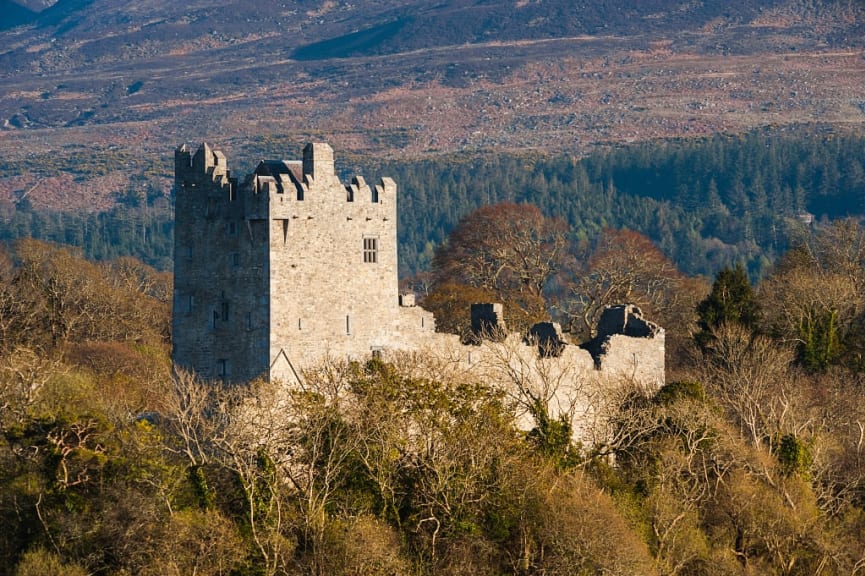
{"x": 128, "y": 81}
{"x": 14, "y": 14}
{"x": 108, "y": 29}
{"x": 429, "y": 24}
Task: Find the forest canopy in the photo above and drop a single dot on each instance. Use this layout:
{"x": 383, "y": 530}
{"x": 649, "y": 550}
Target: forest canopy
{"x": 706, "y": 203}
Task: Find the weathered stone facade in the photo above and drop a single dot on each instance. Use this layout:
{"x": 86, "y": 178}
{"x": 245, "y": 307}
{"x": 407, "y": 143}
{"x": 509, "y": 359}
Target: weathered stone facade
{"x": 287, "y": 267}
{"x": 291, "y": 266}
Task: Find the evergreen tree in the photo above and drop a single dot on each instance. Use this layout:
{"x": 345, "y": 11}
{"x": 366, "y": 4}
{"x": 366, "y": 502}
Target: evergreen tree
{"x": 731, "y": 300}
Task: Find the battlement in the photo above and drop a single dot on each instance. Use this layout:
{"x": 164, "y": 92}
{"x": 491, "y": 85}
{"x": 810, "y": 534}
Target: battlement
{"x": 206, "y": 162}
{"x": 273, "y": 182}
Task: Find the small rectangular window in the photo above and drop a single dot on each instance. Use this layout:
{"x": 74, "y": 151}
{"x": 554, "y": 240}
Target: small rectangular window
{"x": 232, "y": 228}
{"x": 370, "y": 250}
{"x": 225, "y": 309}
{"x": 223, "y": 368}
{"x": 235, "y": 260}
{"x": 348, "y": 324}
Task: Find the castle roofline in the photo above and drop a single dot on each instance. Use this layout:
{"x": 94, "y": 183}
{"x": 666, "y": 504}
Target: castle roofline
{"x": 276, "y": 168}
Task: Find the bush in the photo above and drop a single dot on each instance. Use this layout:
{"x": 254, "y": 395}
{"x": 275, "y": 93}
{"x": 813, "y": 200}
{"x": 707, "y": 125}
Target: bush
{"x": 40, "y": 562}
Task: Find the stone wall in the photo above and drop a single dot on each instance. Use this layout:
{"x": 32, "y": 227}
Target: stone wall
{"x": 220, "y": 272}
{"x": 573, "y": 384}
{"x": 333, "y": 281}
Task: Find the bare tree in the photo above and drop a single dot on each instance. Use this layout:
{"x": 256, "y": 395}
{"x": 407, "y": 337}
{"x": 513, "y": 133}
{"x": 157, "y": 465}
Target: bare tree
{"x": 503, "y": 247}
{"x": 24, "y": 373}
{"x": 685, "y": 474}
{"x": 750, "y": 378}
{"x": 243, "y": 430}
{"x": 552, "y": 392}
{"x": 508, "y": 250}
{"x": 575, "y": 524}
{"x": 840, "y": 249}
{"x": 68, "y": 299}
{"x": 190, "y": 412}
{"x": 813, "y": 303}
{"x": 624, "y": 267}
{"x": 251, "y": 440}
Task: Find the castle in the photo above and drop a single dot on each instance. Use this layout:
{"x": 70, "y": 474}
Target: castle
{"x": 291, "y": 266}
{"x": 284, "y": 268}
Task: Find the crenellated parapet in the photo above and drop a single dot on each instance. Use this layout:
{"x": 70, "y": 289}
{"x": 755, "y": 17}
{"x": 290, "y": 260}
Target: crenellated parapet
{"x": 312, "y": 181}
{"x": 206, "y": 165}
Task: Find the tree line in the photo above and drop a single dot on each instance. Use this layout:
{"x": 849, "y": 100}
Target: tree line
{"x": 133, "y": 229}
{"x": 706, "y": 203}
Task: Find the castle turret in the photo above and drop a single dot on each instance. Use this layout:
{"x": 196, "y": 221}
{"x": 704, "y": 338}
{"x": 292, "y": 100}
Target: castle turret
{"x": 182, "y": 160}
{"x": 318, "y": 163}
{"x": 206, "y": 165}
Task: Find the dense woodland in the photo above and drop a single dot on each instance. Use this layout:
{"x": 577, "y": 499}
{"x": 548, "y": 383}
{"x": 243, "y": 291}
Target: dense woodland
{"x": 748, "y": 461}
{"x": 705, "y": 203}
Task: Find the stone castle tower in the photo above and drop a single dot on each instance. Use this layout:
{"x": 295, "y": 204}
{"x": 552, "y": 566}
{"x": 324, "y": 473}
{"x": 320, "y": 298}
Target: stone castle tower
{"x": 284, "y": 268}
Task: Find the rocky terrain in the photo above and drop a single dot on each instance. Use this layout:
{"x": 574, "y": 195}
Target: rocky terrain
{"x": 95, "y": 94}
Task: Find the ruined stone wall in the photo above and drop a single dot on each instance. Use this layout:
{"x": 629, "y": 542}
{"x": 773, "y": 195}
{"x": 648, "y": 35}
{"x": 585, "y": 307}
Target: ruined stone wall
{"x": 575, "y": 384}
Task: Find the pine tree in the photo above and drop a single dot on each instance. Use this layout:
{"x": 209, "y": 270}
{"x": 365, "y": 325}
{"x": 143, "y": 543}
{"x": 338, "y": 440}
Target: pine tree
{"x": 731, "y": 300}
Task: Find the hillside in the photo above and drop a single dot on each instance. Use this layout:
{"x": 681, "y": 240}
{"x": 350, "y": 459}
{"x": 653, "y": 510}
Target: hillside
{"x": 14, "y": 14}
{"x": 95, "y": 94}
